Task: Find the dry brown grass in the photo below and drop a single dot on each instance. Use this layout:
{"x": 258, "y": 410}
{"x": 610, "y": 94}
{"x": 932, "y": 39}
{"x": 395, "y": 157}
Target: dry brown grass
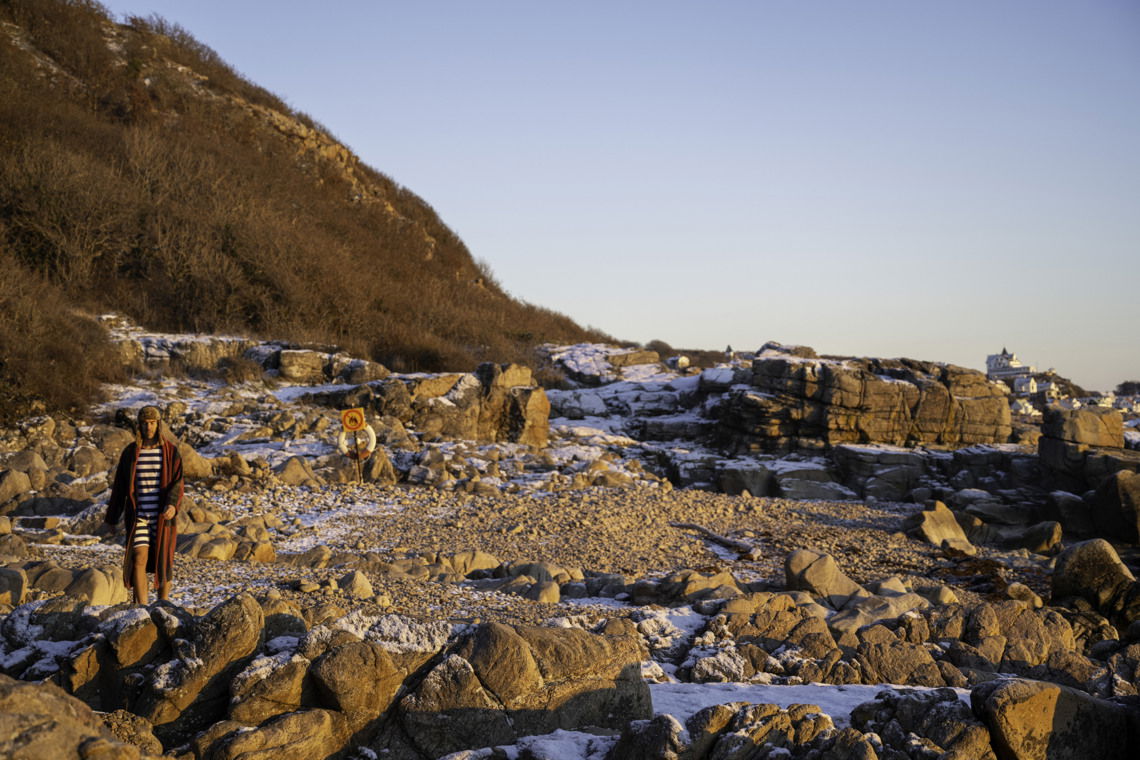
{"x": 172, "y": 204}
{"x": 51, "y": 359}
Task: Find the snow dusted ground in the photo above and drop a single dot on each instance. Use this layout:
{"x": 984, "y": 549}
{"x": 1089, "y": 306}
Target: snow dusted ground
{"x": 683, "y": 700}
{"x": 226, "y": 419}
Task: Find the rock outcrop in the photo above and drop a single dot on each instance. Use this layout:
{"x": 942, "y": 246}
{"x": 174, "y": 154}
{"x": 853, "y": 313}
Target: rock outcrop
{"x": 385, "y": 683}
{"x": 1092, "y": 571}
{"x": 38, "y": 720}
{"x": 809, "y": 403}
{"x": 1082, "y": 448}
{"x": 1031, "y": 719}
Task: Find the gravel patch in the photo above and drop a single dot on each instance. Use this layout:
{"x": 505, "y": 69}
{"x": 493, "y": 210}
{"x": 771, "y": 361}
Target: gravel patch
{"x": 626, "y": 531}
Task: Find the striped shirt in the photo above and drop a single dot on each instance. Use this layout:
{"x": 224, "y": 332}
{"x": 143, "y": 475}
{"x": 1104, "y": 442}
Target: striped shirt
{"x": 147, "y": 472}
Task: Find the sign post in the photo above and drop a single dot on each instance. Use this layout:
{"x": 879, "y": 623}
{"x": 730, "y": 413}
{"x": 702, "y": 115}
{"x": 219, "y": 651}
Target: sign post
{"x": 353, "y": 422}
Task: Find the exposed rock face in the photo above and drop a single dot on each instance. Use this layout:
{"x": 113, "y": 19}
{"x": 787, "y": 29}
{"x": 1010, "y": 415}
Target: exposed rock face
{"x": 1116, "y": 507}
{"x": 1033, "y": 719}
{"x": 41, "y": 721}
{"x": 359, "y": 679}
{"x": 512, "y": 408}
{"x": 299, "y": 735}
{"x": 1092, "y": 571}
{"x": 495, "y": 403}
{"x": 1081, "y": 448}
{"x": 809, "y": 403}
{"x": 880, "y": 473}
{"x": 938, "y": 716}
{"x": 300, "y": 366}
{"x": 938, "y": 526}
{"x": 189, "y": 351}
{"x": 820, "y": 575}
{"x": 189, "y": 694}
{"x": 1088, "y": 426}
{"x": 506, "y": 682}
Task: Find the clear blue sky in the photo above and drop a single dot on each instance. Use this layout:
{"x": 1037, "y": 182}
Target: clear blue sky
{"x": 934, "y": 180}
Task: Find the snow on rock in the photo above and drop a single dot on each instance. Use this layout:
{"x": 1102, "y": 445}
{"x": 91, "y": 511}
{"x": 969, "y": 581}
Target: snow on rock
{"x": 397, "y": 633}
{"x": 683, "y": 700}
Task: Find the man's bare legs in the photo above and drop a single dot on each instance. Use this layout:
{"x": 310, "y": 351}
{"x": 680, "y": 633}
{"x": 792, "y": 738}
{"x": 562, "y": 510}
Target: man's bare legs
{"x": 138, "y": 573}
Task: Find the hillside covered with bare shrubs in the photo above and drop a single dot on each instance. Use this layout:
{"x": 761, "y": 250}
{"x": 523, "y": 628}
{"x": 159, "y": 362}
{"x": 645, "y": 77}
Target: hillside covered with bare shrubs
{"x": 140, "y": 173}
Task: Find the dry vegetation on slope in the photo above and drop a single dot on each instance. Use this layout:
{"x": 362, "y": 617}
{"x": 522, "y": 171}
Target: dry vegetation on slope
{"x": 141, "y": 173}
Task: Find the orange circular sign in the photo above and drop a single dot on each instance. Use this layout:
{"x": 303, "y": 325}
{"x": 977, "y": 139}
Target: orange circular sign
{"x": 352, "y": 419}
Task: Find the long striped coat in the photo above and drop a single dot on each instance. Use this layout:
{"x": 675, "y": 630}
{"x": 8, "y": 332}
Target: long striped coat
{"x": 160, "y": 558}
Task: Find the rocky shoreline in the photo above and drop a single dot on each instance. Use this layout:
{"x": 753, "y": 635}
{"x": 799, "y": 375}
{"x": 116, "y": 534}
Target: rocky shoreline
{"x": 483, "y": 596}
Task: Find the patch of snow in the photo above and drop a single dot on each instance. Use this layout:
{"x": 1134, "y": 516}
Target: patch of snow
{"x": 594, "y": 431}
{"x": 121, "y": 620}
{"x": 18, "y": 628}
{"x": 783, "y": 466}
{"x": 686, "y": 384}
{"x": 599, "y": 601}
{"x": 280, "y": 644}
{"x": 718, "y": 376}
{"x": 292, "y": 393}
{"x": 683, "y": 700}
{"x": 640, "y": 373}
{"x": 589, "y": 359}
{"x": 396, "y": 633}
{"x": 261, "y": 667}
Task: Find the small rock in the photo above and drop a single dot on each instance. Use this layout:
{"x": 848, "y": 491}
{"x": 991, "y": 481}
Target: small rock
{"x": 356, "y": 585}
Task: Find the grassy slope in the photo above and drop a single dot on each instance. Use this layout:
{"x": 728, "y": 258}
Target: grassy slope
{"x": 140, "y": 173}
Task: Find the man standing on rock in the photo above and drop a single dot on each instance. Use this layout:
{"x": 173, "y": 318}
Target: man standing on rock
{"x": 147, "y": 493}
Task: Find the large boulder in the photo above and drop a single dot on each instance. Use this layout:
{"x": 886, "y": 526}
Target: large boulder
{"x": 296, "y": 471}
{"x": 194, "y": 465}
{"x": 1089, "y": 425}
{"x": 1034, "y": 719}
{"x": 1116, "y": 507}
{"x": 378, "y": 468}
{"x": 451, "y": 710}
{"x": 302, "y": 366}
{"x": 771, "y": 620}
{"x": 881, "y": 472}
{"x": 736, "y": 476}
{"x": 937, "y": 524}
{"x": 190, "y": 692}
{"x": 1082, "y": 448}
{"x": 1093, "y": 571}
{"x": 38, "y": 720}
{"x": 512, "y": 408}
{"x": 819, "y": 575}
{"x": 504, "y": 682}
{"x": 300, "y": 735}
{"x": 358, "y": 679}
{"x": 883, "y": 658}
{"x": 13, "y": 585}
{"x": 13, "y": 483}
{"x": 662, "y": 738}
{"x": 270, "y": 685}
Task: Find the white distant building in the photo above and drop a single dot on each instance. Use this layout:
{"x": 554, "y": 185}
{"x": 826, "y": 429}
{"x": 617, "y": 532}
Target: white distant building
{"x": 1026, "y": 385}
{"x": 1006, "y": 366}
{"x": 1023, "y": 407}
{"x": 1127, "y": 403}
